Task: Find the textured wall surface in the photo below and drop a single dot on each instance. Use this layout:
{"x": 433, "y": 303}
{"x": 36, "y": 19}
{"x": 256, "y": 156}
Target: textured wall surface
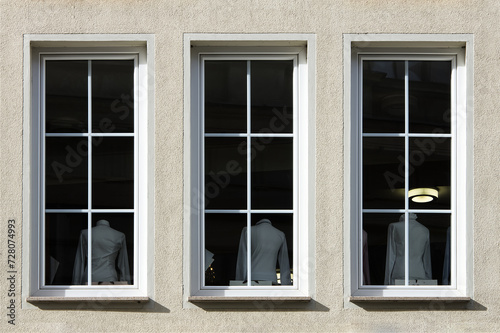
{"x": 329, "y": 20}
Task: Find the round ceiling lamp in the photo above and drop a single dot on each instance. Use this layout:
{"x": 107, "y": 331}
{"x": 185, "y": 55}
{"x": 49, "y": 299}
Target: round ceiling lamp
{"x": 423, "y": 194}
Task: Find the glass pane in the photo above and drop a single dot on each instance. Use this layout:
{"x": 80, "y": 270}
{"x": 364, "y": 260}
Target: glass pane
{"x": 383, "y": 96}
{"x": 225, "y": 173}
{"x": 429, "y": 249}
{"x": 272, "y": 173}
{"x": 112, "y": 249}
{"x": 378, "y": 255}
{"x": 430, "y": 168}
{"x": 222, "y": 239}
{"x": 66, "y": 96}
{"x": 383, "y": 173}
{"x": 225, "y": 96}
{"x": 65, "y": 255}
{"x": 430, "y": 96}
{"x": 112, "y": 96}
{"x": 271, "y": 249}
{"x": 113, "y": 173}
{"x": 66, "y": 173}
{"x": 272, "y": 96}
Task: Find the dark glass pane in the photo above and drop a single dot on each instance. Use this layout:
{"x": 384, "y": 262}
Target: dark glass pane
{"x": 66, "y": 173}
{"x": 272, "y": 249}
{"x": 112, "y": 96}
{"x": 383, "y": 173}
{"x": 272, "y": 173}
{"x": 429, "y": 249}
{"x": 225, "y": 96}
{"x": 225, "y": 173}
{"x": 430, "y": 96}
{"x": 377, "y": 266}
{"x": 112, "y": 248}
{"x": 430, "y": 167}
{"x": 66, "y": 96}
{"x": 222, "y": 239}
{"x": 272, "y": 96}
{"x": 113, "y": 172}
{"x": 383, "y": 96}
{"x": 65, "y": 256}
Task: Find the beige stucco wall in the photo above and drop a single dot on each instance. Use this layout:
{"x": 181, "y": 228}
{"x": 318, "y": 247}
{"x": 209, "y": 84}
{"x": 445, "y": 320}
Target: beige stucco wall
{"x": 329, "y": 20}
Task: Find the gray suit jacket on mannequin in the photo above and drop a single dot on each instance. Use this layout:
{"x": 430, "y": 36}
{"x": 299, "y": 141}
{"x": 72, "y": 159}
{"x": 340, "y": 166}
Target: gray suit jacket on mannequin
{"x": 268, "y": 246}
{"x": 419, "y": 248}
{"x": 109, "y": 252}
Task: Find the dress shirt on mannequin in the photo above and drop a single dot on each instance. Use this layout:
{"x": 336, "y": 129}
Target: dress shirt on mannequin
{"x": 109, "y": 256}
{"x": 419, "y": 248}
{"x": 268, "y": 247}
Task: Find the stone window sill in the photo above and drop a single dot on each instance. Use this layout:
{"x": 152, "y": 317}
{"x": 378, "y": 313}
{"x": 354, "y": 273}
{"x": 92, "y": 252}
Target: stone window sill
{"x": 199, "y": 299}
{"x": 37, "y": 300}
{"x": 368, "y": 299}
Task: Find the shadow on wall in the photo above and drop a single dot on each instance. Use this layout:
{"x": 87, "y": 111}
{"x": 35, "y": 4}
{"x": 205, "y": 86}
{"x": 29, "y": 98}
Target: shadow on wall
{"x": 268, "y": 306}
{"x": 104, "y": 305}
{"x": 421, "y": 306}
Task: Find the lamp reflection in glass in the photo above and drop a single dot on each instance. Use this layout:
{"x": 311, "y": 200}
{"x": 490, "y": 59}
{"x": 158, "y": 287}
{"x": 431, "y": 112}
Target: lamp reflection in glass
{"x": 423, "y": 194}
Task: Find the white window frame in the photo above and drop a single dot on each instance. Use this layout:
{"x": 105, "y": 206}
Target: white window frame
{"x": 38, "y": 49}
{"x": 249, "y": 47}
{"x": 458, "y": 49}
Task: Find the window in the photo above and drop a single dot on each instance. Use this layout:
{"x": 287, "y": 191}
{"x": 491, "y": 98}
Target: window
{"x": 89, "y": 167}
{"x": 409, "y": 145}
{"x": 249, "y": 142}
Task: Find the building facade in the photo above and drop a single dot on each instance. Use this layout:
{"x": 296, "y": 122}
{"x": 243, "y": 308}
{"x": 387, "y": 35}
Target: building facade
{"x": 300, "y": 166}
